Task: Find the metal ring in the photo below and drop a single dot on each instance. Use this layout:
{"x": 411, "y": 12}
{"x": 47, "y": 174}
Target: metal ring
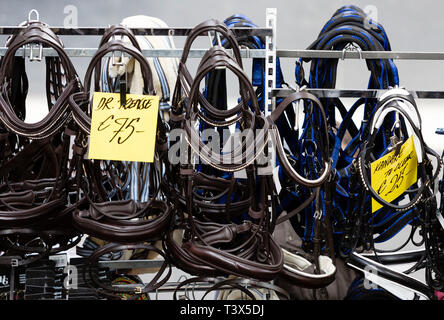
{"x": 36, "y": 14}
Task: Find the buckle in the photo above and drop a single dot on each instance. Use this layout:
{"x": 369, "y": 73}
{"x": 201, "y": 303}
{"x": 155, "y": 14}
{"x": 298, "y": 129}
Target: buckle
{"x": 31, "y": 52}
{"x": 113, "y": 55}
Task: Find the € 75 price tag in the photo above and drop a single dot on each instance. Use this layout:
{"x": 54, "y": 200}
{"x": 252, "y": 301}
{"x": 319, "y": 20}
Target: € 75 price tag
{"x": 123, "y": 133}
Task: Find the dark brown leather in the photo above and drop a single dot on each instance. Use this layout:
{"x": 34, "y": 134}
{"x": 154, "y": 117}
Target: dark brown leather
{"x": 119, "y": 219}
{"x": 215, "y": 241}
{"x": 236, "y": 159}
{"x": 59, "y": 111}
{"x": 79, "y": 101}
{"x": 185, "y": 79}
{"x": 183, "y": 260}
{"x": 98, "y": 224}
{"x": 32, "y": 183}
{"x": 114, "y": 292}
{"x": 234, "y": 265}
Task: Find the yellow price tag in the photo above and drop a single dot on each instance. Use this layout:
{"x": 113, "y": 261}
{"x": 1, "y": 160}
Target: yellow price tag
{"x": 124, "y": 133}
{"x": 392, "y": 175}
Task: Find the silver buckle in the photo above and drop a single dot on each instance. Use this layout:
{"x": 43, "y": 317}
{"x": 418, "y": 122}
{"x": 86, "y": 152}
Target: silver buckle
{"x": 31, "y": 54}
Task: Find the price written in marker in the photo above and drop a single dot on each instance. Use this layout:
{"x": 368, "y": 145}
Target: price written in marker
{"x": 393, "y": 174}
{"x": 123, "y": 133}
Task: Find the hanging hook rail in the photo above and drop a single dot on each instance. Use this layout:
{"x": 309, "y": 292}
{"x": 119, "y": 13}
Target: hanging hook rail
{"x": 351, "y": 93}
{"x": 356, "y": 54}
{"x": 170, "y": 31}
{"x": 170, "y": 53}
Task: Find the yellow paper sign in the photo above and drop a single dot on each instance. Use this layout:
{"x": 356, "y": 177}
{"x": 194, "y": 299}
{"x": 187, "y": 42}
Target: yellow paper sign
{"x": 393, "y": 174}
{"x": 125, "y": 133}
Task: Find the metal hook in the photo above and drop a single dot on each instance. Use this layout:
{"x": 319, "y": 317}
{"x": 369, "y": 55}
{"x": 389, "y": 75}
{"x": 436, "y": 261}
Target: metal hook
{"x": 218, "y": 39}
{"x": 296, "y": 108}
{"x": 31, "y": 55}
{"x": 113, "y": 59}
{"x": 185, "y": 288}
{"x": 247, "y": 52}
{"x": 351, "y": 47}
{"x": 359, "y": 52}
{"x": 209, "y": 37}
{"x": 343, "y": 53}
{"x": 36, "y": 14}
{"x": 171, "y": 32}
{"x": 216, "y": 35}
{"x": 113, "y": 55}
{"x": 397, "y": 122}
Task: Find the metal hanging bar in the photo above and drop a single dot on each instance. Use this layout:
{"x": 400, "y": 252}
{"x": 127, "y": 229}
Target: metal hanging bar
{"x": 171, "y": 53}
{"x": 99, "y": 31}
{"x": 365, "y": 93}
{"x": 336, "y": 54}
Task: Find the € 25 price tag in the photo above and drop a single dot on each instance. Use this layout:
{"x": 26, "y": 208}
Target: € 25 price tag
{"x": 123, "y": 133}
{"x": 393, "y": 174}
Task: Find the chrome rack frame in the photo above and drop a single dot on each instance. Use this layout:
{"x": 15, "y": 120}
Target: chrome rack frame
{"x": 338, "y": 54}
{"x": 358, "y": 54}
{"x": 174, "y": 53}
{"x": 171, "y": 53}
{"x": 365, "y": 93}
{"x": 170, "y": 31}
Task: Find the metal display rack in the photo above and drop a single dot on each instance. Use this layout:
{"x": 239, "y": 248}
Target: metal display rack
{"x": 270, "y": 53}
{"x": 352, "y": 53}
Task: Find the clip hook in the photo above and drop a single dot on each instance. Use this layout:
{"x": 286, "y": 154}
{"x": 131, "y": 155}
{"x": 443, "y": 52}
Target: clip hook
{"x": 343, "y": 53}
{"x": 359, "y": 52}
{"x": 395, "y": 141}
{"x": 209, "y": 37}
{"x": 113, "y": 55}
{"x": 351, "y": 47}
{"x": 247, "y": 52}
{"x": 219, "y": 43}
{"x": 396, "y": 124}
